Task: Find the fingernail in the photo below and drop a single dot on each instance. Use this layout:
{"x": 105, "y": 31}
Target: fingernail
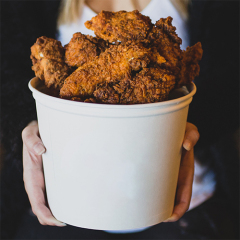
{"x": 33, "y": 123}
{"x": 39, "y": 149}
{"x": 171, "y": 219}
{"x": 187, "y": 145}
{"x": 59, "y": 224}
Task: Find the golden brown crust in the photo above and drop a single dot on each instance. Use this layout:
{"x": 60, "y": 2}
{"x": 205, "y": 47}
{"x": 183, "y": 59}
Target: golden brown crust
{"x": 54, "y": 72}
{"x": 189, "y": 64}
{"x": 47, "y": 48}
{"x": 149, "y": 85}
{"x": 110, "y": 78}
{"x": 83, "y": 48}
{"x": 143, "y": 68}
{"x": 120, "y": 26}
{"x": 166, "y": 25}
{"x": 105, "y": 93}
{"x": 47, "y": 56}
{"x": 113, "y": 65}
{"x": 167, "y": 43}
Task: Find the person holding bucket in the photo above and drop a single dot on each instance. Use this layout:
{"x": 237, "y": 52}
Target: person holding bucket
{"x": 33, "y": 148}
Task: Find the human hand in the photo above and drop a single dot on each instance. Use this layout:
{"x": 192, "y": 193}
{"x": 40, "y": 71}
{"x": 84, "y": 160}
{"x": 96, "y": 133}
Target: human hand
{"x": 186, "y": 171}
{"x": 33, "y": 175}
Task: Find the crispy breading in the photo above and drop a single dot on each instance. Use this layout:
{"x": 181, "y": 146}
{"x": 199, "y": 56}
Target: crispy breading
{"x": 105, "y": 93}
{"x": 53, "y": 72}
{"x": 167, "y": 43}
{"x": 120, "y": 26}
{"x": 83, "y": 48}
{"x": 189, "y": 64}
{"x": 166, "y": 25}
{"x": 47, "y": 56}
{"x": 47, "y": 48}
{"x": 113, "y": 65}
{"x": 149, "y": 85}
{"x": 131, "y": 61}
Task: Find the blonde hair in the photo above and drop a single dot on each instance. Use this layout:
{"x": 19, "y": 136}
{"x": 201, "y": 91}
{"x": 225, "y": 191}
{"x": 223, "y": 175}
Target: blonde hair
{"x": 182, "y": 7}
{"x": 70, "y": 10}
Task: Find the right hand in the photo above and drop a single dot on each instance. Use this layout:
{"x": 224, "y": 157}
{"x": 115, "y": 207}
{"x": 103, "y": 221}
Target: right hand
{"x": 33, "y": 176}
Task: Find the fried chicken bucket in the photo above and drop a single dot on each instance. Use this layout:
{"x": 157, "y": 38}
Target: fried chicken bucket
{"x": 111, "y": 167}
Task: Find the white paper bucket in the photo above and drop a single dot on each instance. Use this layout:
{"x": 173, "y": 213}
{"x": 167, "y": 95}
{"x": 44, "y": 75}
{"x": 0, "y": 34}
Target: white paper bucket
{"x": 111, "y": 167}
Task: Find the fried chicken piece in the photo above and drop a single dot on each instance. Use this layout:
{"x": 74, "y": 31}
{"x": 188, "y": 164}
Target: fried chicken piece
{"x": 167, "y": 43}
{"x": 114, "y": 65}
{"x": 148, "y": 86}
{"x": 189, "y": 64}
{"x": 52, "y": 72}
{"x": 120, "y": 26}
{"x": 47, "y": 56}
{"x": 83, "y": 48}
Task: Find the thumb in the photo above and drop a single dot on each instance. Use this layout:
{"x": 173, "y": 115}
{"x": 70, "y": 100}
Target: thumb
{"x": 31, "y": 139}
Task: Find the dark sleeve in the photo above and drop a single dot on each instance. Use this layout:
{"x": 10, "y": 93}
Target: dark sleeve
{"x": 22, "y": 22}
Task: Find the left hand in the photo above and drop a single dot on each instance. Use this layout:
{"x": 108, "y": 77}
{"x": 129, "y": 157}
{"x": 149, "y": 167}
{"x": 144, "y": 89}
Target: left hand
{"x": 186, "y": 171}
{"x": 33, "y": 177}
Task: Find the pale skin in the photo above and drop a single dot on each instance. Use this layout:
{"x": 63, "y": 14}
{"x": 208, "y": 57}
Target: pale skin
{"x": 116, "y": 5}
{"x": 33, "y": 176}
{"x": 33, "y": 147}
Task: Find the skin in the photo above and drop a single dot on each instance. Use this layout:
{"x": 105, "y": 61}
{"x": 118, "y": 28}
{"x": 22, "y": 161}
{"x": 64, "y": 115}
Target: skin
{"x": 116, "y": 5}
{"x": 33, "y": 176}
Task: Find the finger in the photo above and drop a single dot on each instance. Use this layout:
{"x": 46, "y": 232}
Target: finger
{"x": 38, "y": 203}
{"x": 42, "y": 212}
{"x": 30, "y": 136}
{"x": 45, "y": 216}
{"x": 35, "y": 188}
{"x": 184, "y": 188}
{"x": 191, "y": 136}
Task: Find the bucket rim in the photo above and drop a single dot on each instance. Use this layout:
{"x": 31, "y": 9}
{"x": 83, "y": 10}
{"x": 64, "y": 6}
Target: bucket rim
{"x": 34, "y": 81}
